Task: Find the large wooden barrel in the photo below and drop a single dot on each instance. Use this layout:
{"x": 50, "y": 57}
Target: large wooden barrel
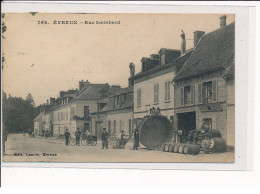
{"x": 191, "y": 149}
{"x": 217, "y": 144}
{"x": 180, "y": 149}
{"x": 214, "y": 133}
{"x": 175, "y": 148}
{"x": 155, "y": 130}
{"x": 171, "y": 147}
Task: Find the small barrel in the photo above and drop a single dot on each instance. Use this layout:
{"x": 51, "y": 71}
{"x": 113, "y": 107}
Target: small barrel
{"x": 217, "y": 144}
{"x": 191, "y": 149}
{"x": 175, "y": 148}
{"x": 166, "y": 148}
{"x": 214, "y": 133}
{"x": 171, "y": 147}
{"x": 163, "y": 147}
{"x": 180, "y": 149}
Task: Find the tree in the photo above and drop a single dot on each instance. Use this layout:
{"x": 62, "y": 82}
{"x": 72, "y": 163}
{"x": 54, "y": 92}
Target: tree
{"x": 18, "y": 114}
{"x": 29, "y": 99}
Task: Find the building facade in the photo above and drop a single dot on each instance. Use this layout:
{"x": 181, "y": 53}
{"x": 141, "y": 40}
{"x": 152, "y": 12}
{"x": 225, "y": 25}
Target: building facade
{"x": 206, "y": 94}
{"x": 152, "y": 86}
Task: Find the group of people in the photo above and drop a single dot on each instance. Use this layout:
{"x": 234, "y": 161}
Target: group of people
{"x": 77, "y": 135}
{"x": 122, "y": 141}
{"x": 104, "y": 138}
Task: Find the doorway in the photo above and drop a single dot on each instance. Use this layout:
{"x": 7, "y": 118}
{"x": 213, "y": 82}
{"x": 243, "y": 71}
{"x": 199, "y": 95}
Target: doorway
{"x": 98, "y": 130}
{"x": 86, "y": 127}
{"x": 186, "y": 123}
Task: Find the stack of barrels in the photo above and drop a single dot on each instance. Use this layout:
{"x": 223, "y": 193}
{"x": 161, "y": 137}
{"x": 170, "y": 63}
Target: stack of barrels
{"x": 196, "y": 141}
{"x": 192, "y": 149}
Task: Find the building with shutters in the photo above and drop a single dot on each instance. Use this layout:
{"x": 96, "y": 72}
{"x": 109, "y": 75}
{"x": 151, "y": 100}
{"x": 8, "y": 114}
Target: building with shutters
{"x": 153, "y": 89}
{"x": 71, "y": 110}
{"x": 204, "y": 88}
{"x": 115, "y": 113}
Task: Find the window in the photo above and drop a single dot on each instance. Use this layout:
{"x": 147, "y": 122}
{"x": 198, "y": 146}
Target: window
{"x": 72, "y": 111}
{"x": 139, "y": 97}
{"x": 117, "y": 99}
{"x": 121, "y": 124}
{"x": 86, "y": 111}
{"x": 114, "y": 127}
{"x": 162, "y": 59}
{"x": 109, "y": 127}
{"x": 187, "y": 95}
{"x": 130, "y": 126}
{"x": 156, "y": 93}
{"x": 207, "y": 92}
{"x": 67, "y": 115}
{"x": 123, "y": 98}
{"x": 167, "y": 91}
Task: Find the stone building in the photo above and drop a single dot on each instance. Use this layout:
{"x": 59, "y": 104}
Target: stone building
{"x": 115, "y": 113}
{"x": 71, "y": 110}
{"x": 152, "y": 86}
{"x": 204, "y": 87}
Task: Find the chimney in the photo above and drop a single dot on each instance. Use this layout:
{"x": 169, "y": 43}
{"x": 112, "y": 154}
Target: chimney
{"x": 223, "y": 21}
{"x": 183, "y": 43}
{"x": 47, "y": 101}
{"x": 197, "y": 36}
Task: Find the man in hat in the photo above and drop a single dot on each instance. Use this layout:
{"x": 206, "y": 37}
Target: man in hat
{"x": 121, "y": 139}
{"x": 67, "y": 137}
{"x": 77, "y": 134}
{"x": 104, "y": 138}
{"x": 136, "y": 140}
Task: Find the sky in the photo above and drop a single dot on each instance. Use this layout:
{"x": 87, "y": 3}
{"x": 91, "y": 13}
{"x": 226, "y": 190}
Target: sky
{"x": 43, "y": 59}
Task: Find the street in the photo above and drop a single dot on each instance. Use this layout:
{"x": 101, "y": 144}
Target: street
{"x": 21, "y": 148}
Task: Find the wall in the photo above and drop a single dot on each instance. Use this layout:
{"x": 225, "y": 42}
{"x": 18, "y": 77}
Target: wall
{"x": 147, "y": 96}
{"x": 123, "y": 116}
{"x": 230, "y": 114}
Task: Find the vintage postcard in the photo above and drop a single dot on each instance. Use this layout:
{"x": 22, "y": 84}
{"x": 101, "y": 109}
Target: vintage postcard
{"x": 118, "y": 87}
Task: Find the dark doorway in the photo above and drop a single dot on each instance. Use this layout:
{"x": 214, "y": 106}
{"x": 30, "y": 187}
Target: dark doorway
{"x": 86, "y": 127}
{"x": 98, "y": 128}
{"x": 186, "y": 123}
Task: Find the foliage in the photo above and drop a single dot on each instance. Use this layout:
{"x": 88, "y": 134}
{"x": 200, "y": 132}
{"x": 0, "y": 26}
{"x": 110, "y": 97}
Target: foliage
{"x": 30, "y": 99}
{"x": 18, "y": 114}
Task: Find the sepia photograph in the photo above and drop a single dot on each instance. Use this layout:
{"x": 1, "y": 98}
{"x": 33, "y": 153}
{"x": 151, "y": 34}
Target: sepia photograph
{"x": 118, "y": 87}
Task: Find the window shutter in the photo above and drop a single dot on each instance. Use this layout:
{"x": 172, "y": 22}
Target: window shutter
{"x": 154, "y": 91}
{"x": 182, "y": 96}
{"x": 191, "y": 94}
{"x": 166, "y": 91}
{"x": 214, "y": 91}
{"x": 157, "y": 92}
{"x": 200, "y": 93}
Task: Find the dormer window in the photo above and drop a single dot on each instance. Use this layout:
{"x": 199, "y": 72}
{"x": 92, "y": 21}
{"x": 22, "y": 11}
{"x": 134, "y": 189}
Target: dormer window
{"x": 162, "y": 59}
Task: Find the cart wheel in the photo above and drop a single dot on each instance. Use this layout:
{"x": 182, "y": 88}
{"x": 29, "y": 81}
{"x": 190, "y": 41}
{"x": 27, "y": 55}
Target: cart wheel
{"x": 72, "y": 141}
{"x": 93, "y": 143}
{"x": 84, "y": 142}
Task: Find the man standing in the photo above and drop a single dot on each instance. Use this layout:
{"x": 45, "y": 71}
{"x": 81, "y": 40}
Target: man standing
{"x": 136, "y": 139}
{"x": 77, "y": 134}
{"x": 121, "y": 139}
{"x": 67, "y": 137}
{"x": 104, "y": 138}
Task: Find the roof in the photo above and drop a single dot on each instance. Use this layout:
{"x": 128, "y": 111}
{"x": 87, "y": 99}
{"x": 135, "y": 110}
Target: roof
{"x": 176, "y": 62}
{"x": 230, "y": 71}
{"x": 128, "y": 102}
{"x": 90, "y": 93}
{"x": 38, "y": 117}
{"x": 211, "y": 53}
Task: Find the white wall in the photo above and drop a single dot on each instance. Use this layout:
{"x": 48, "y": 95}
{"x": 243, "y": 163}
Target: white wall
{"x": 147, "y": 96}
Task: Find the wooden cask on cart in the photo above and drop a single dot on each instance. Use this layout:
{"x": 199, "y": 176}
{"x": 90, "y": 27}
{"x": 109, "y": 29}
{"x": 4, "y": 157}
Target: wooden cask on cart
{"x": 214, "y": 133}
{"x": 191, "y": 149}
{"x": 155, "y": 130}
{"x": 217, "y": 144}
